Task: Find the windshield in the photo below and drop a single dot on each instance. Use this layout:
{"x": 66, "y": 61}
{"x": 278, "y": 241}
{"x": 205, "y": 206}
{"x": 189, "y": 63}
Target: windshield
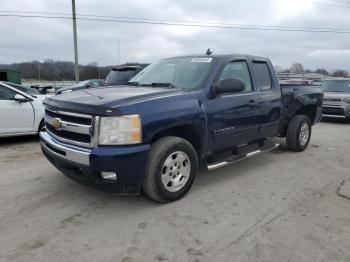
{"x": 82, "y": 83}
{"x": 342, "y": 86}
{"x": 27, "y": 90}
{"x": 118, "y": 77}
{"x": 187, "y": 73}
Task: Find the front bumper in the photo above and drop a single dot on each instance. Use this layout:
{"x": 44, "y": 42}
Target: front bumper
{"x": 336, "y": 111}
{"x": 84, "y": 165}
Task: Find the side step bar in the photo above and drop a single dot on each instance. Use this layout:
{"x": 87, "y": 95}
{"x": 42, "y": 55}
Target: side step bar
{"x": 232, "y": 160}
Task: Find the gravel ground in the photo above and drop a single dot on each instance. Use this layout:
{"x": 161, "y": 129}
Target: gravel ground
{"x": 278, "y": 206}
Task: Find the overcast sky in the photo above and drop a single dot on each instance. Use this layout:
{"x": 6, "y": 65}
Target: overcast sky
{"x": 24, "y": 39}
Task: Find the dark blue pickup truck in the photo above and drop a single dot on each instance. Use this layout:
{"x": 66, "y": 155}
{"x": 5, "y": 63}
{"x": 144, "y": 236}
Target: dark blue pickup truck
{"x": 176, "y": 114}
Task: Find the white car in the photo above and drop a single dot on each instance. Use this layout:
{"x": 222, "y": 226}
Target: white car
{"x": 21, "y": 110}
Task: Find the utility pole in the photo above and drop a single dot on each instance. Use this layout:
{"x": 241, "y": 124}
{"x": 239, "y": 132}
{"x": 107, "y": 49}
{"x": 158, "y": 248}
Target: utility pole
{"x": 76, "y": 62}
{"x": 118, "y": 53}
{"x": 39, "y": 72}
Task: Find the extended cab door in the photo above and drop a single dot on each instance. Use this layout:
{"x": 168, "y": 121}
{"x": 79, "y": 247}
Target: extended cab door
{"x": 233, "y": 118}
{"x": 15, "y": 117}
{"x": 269, "y": 98}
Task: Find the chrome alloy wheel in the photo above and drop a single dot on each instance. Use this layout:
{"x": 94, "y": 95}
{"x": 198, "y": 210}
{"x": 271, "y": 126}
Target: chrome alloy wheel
{"x": 176, "y": 171}
{"x": 304, "y": 134}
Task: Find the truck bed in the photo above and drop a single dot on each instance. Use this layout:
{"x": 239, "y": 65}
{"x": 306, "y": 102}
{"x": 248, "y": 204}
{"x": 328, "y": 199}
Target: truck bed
{"x": 295, "y": 97}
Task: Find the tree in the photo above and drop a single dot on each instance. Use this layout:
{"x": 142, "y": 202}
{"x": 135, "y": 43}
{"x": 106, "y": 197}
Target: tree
{"x": 278, "y": 69}
{"x": 297, "y": 68}
{"x": 340, "y": 73}
{"x": 322, "y": 71}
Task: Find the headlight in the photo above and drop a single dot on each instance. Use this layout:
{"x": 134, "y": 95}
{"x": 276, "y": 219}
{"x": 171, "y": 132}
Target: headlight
{"x": 123, "y": 130}
{"x": 347, "y": 100}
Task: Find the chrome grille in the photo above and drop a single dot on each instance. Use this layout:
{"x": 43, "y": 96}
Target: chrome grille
{"x": 72, "y": 128}
{"x": 333, "y": 111}
{"x": 332, "y": 99}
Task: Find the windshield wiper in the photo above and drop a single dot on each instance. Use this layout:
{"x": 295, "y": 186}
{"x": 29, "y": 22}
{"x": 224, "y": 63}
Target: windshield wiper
{"x": 133, "y": 83}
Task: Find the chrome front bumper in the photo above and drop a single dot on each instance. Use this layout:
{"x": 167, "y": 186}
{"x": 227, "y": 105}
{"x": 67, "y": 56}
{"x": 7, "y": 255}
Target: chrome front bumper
{"x": 67, "y": 152}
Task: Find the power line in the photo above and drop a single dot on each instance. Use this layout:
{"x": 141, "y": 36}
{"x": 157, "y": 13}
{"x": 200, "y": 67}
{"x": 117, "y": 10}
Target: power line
{"x": 331, "y": 5}
{"x": 176, "y": 21}
{"x": 336, "y": 31}
{"x": 168, "y": 23}
{"x": 340, "y": 1}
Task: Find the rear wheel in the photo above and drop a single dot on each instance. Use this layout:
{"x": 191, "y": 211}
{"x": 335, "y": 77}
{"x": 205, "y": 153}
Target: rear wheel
{"x": 172, "y": 166}
{"x": 298, "y": 133}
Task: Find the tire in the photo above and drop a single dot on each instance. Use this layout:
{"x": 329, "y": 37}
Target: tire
{"x": 298, "y": 133}
{"x": 41, "y": 125}
{"x": 167, "y": 156}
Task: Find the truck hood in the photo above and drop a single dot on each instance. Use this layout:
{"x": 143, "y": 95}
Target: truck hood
{"x": 107, "y": 100}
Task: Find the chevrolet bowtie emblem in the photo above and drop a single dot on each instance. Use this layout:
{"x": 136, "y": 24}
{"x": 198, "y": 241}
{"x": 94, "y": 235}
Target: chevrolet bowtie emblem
{"x": 56, "y": 124}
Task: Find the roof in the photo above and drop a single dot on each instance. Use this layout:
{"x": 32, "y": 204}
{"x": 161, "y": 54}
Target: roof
{"x": 302, "y": 75}
{"x": 227, "y": 55}
{"x": 311, "y": 75}
{"x": 9, "y": 70}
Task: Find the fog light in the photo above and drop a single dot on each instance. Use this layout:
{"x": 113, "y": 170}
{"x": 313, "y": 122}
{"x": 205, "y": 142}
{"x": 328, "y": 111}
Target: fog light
{"x": 109, "y": 176}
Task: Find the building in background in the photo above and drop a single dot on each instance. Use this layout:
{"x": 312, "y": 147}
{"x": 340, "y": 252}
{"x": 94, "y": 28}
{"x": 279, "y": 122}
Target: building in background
{"x": 315, "y": 77}
{"x": 10, "y": 76}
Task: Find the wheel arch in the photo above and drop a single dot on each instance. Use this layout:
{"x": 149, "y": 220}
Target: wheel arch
{"x": 189, "y": 132}
{"x": 309, "y": 110}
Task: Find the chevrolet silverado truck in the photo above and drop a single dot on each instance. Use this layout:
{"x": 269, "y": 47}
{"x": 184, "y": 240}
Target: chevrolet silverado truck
{"x": 176, "y": 114}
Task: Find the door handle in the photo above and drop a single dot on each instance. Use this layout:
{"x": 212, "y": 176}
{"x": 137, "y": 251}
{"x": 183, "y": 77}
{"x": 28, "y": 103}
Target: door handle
{"x": 253, "y": 103}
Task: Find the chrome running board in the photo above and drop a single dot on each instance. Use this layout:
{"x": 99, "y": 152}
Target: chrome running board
{"x": 232, "y": 160}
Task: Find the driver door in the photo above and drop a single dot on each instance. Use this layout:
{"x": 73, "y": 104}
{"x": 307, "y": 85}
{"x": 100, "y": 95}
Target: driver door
{"x": 233, "y": 118}
{"x": 15, "y": 117}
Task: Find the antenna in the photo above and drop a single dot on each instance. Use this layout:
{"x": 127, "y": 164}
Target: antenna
{"x": 208, "y": 52}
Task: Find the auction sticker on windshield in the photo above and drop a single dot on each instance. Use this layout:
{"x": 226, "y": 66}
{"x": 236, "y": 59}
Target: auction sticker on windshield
{"x": 201, "y": 60}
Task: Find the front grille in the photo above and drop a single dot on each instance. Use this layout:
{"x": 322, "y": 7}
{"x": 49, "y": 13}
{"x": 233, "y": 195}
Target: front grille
{"x": 332, "y": 99}
{"x": 70, "y": 118}
{"x": 84, "y": 138}
{"x": 333, "y": 111}
{"x": 72, "y": 128}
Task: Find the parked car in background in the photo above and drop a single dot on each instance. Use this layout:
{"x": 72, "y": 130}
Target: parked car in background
{"x": 175, "y": 114}
{"x": 81, "y": 85}
{"x": 28, "y": 90}
{"x": 122, "y": 74}
{"x": 21, "y": 110}
{"x": 336, "y": 103}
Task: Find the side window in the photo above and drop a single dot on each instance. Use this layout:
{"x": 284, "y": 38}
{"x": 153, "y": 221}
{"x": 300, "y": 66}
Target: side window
{"x": 262, "y": 75}
{"x": 238, "y": 70}
{"x": 6, "y": 94}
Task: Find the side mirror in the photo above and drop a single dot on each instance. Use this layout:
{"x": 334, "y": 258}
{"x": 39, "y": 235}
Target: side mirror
{"x": 20, "y": 98}
{"x": 229, "y": 86}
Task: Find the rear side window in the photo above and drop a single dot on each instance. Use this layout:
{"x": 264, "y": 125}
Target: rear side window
{"x": 262, "y": 75}
{"x": 6, "y": 94}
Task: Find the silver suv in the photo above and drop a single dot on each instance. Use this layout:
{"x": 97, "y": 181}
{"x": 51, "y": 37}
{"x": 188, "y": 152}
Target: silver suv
{"x": 336, "y": 103}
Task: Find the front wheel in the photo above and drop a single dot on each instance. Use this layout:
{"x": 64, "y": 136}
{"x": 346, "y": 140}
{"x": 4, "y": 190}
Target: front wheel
{"x": 172, "y": 166}
{"x": 298, "y": 133}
